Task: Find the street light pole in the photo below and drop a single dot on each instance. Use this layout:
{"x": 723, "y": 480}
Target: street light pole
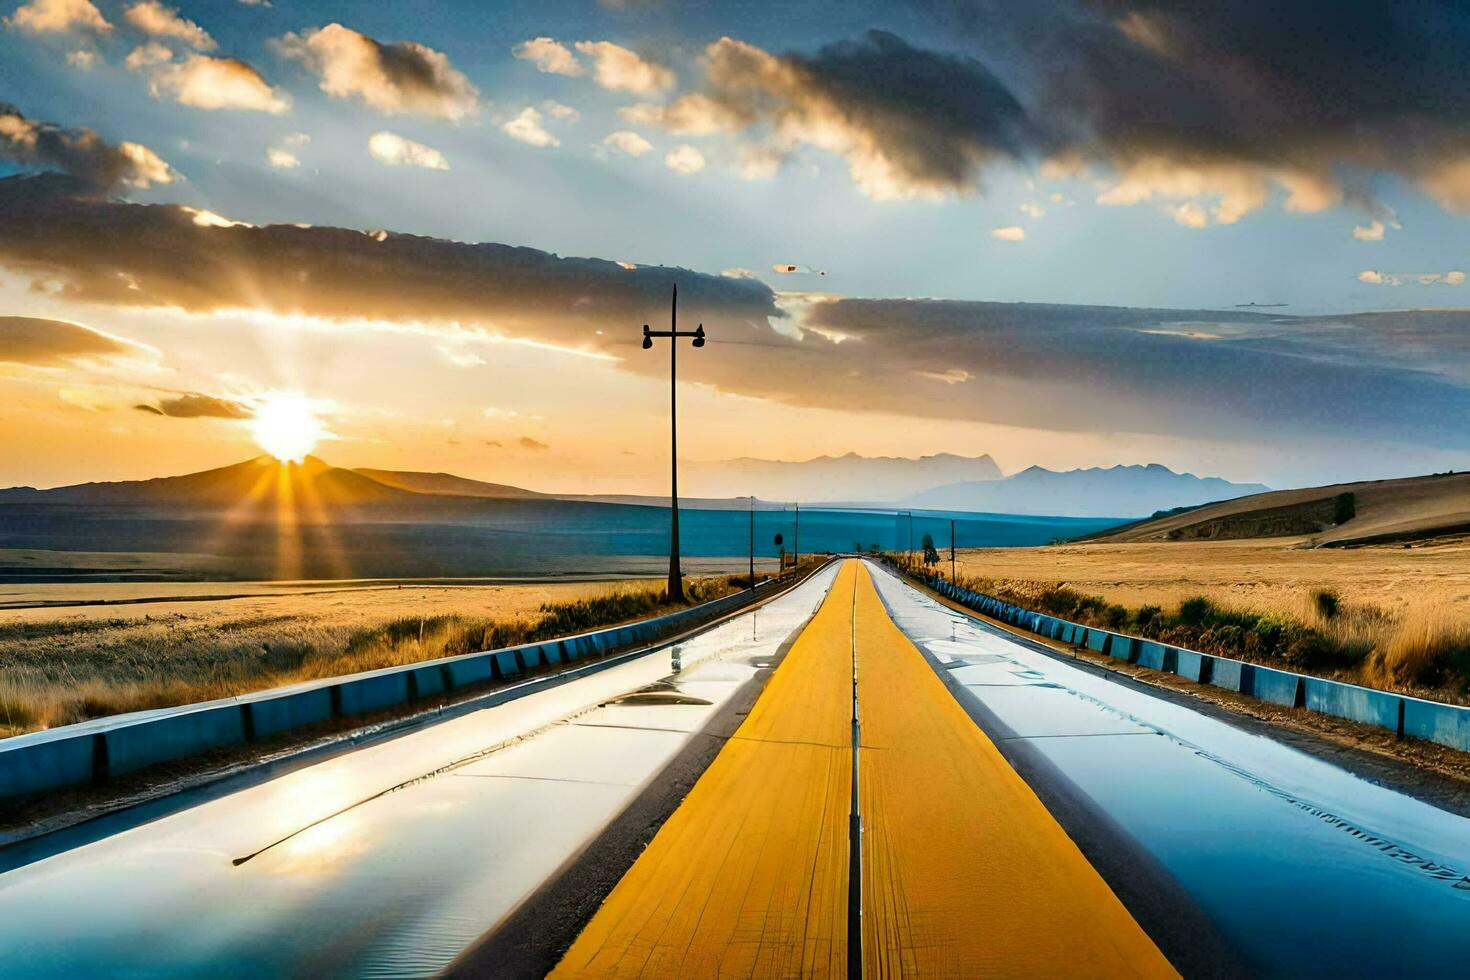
{"x": 796, "y": 541}
{"x": 952, "y": 579}
{"x": 676, "y": 578}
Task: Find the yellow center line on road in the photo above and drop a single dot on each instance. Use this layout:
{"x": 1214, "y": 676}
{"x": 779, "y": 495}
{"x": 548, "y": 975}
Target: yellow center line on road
{"x": 964, "y": 872}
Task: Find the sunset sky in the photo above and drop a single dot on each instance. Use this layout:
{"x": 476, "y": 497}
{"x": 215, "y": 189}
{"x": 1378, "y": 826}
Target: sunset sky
{"x": 444, "y": 224}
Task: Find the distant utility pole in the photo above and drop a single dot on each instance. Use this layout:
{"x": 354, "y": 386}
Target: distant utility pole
{"x": 952, "y": 579}
{"x": 752, "y": 541}
{"x": 796, "y": 539}
{"x": 676, "y": 578}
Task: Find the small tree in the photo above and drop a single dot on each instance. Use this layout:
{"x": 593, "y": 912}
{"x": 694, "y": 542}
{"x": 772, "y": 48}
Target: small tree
{"x": 931, "y": 554}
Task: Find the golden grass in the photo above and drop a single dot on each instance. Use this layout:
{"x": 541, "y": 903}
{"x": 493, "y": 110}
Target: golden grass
{"x": 1403, "y": 615}
{"x": 59, "y": 666}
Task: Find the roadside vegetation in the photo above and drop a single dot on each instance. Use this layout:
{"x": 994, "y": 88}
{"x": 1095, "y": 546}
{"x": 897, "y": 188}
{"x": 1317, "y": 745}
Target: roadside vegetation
{"x": 1422, "y": 649}
{"x": 64, "y": 669}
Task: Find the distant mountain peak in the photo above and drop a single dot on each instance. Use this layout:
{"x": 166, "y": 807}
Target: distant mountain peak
{"x": 1121, "y": 490}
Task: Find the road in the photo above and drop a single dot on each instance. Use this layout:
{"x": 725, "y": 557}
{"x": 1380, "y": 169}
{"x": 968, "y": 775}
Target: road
{"x": 1016, "y": 813}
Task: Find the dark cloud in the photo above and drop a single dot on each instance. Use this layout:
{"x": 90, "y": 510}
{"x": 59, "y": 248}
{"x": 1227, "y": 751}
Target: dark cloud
{"x": 1222, "y": 105}
{"x": 99, "y": 250}
{"x": 79, "y": 152}
{"x": 1197, "y": 374}
{"x": 194, "y": 406}
{"x": 526, "y": 442}
{"x": 56, "y": 343}
{"x": 910, "y": 122}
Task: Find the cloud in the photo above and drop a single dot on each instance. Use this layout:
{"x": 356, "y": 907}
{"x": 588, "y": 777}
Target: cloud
{"x": 394, "y": 150}
{"x": 526, "y": 442}
{"x": 1371, "y": 232}
{"x": 458, "y": 357}
{"x": 558, "y": 111}
{"x": 527, "y": 128}
{"x": 402, "y": 77}
{"x": 1214, "y": 111}
{"x": 1010, "y": 233}
{"x": 1375, "y": 278}
{"x": 684, "y": 159}
{"x": 84, "y": 247}
{"x": 283, "y": 155}
{"x": 205, "y": 82}
{"x": 549, "y": 55}
{"x": 910, "y": 122}
{"x": 156, "y": 20}
{"x": 1033, "y": 210}
{"x": 620, "y": 70}
{"x": 1396, "y": 377}
{"x": 626, "y": 141}
{"x": 196, "y": 406}
{"x": 39, "y": 342}
{"x": 147, "y": 55}
{"x": 83, "y": 58}
{"x": 58, "y": 16}
{"x": 79, "y": 152}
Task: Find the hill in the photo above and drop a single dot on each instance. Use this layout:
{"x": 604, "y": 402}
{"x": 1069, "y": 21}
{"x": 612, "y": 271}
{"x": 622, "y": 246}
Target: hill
{"x": 1385, "y": 511}
{"x": 447, "y": 484}
{"x": 1096, "y": 492}
{"x": 261, "y": 481}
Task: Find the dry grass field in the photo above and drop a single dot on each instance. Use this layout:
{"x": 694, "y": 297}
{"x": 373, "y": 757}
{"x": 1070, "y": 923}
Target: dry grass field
{"x": 1402, "y": 615}
{"x": 64, "y": 664}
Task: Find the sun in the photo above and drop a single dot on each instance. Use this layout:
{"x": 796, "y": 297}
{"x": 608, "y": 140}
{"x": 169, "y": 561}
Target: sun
{"x": 286, "y": 426}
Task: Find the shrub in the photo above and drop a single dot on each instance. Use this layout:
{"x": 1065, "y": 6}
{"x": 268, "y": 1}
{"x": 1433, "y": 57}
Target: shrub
{"x": 1148, "y": 616}
{"x": 1311, "y": 649}
{"x": 1116, "y": 616}
{"x": 1195, "y": 610}
{"x": 1327, "y": 602}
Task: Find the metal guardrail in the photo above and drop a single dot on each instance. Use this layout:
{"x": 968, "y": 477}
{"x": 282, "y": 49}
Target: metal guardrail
{"x": 1445, "y": 724}
{"x": 97, "y": 750}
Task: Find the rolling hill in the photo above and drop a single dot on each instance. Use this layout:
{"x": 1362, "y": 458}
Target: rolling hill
{"x": 1385, "y": 511}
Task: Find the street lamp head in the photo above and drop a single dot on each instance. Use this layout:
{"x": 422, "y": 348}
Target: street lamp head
{"x": 647, "y": 340}
{"x": 699, "y": 336}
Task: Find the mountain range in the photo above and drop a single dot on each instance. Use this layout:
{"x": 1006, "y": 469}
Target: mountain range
{"x": 1116, "y": 491}
{"x": 261, "y": 485}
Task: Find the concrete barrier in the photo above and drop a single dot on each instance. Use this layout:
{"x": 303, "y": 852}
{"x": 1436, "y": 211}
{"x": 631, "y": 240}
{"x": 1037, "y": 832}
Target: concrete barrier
{"x": 1120, "y": 647}
{"x": 1447, "y": 724}
{"x": 1193, "y": 666}
{"x": 1229, "y": 674}
{"x": 52, "y": 764}
{"x": 1278, "y": 686}
{"x": 273, "y": 715}
{"x": 469, "y": 669}
{"x": 1151, "y": 655}
{"x": 156, "y": 740}
{"x": 372, "y": 692}
{"x": 1354, "y": 703}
